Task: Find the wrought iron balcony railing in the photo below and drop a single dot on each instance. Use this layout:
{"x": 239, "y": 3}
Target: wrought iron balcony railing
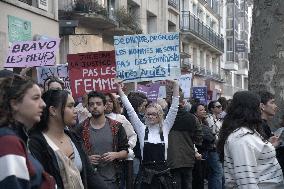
{"x": 193, "y": 24}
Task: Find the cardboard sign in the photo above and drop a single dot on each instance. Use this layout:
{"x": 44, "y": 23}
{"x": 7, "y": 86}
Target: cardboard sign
{"x": 200, "y": 93}
{"x": 185, "y": 84}
{"x": 151, "y": 91}
{"x": 32, "y": 53}
{"x": 60, "y": 71}
{"x": 147, "y": 57}
{"x": 93, "y": 71}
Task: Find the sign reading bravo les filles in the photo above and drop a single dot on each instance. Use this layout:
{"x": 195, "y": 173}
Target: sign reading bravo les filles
{"x": 147, "y": 57}
{"x": 91, "y": 71}
{"x": 60, "y": 71}
{"x": 32, "y": 53}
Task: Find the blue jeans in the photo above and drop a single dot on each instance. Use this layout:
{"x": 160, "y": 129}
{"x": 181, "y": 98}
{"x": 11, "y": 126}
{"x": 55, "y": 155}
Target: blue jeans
{"x": 215, "y": 175}
{"x": 136, "y": 166}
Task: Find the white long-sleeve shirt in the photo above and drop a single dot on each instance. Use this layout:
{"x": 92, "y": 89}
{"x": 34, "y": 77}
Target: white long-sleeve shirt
{"x": 154, "y": 131}
{"x": 250, "y": 163}
{"x": 214, "y": 124}
{"x": 129, "y": 130}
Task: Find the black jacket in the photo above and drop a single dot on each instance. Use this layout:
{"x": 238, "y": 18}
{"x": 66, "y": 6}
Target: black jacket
{"x": 266, "y": 129}
{"x": 185, "y": 132}
{"x": 44, "y": 153}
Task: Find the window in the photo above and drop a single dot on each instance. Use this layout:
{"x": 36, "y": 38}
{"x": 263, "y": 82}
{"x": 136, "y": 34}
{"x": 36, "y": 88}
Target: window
{"x": 208, "y": 20}
{"x": 229, "y": 24}
{"x": 201, "y": 59}
{"x": 194, "y": 8}
{"x": 230, "y": 11}
{"x": 229, "y": 44}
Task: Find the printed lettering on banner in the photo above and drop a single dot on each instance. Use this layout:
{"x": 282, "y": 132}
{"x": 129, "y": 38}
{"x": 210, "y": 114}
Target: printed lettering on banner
{"x": 185, "y": 84}
{"x": 60, "y": 71}
{"x": 200, "y": 92}
{"x": 147, "y": 57}
{"x": 32, "y": 53}
{"x": 93, "y": 71}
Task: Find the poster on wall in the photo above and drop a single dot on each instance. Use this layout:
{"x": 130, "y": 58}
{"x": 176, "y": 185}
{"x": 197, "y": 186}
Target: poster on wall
{"x": 94, "y": 71}
{"x": 19, "y": 29}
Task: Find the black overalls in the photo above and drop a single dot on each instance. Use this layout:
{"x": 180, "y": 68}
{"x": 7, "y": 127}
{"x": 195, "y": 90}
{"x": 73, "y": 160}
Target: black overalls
{"x": 154, "y": 172}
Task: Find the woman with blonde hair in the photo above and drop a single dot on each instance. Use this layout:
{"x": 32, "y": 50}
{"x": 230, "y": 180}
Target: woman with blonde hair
{"x": 153, "y": 137}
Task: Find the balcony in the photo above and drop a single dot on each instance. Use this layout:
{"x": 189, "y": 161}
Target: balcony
{"x": 29, "y": 2}
{"x": 195, "y": 30}
{"x": 185, "y": 65}
{"x": 231, "y": 66}
{"x": 243, "y": 71}
{"x": 231, "y": 63}
{"x": 217, "y": 77}
{"x": 87, "y": 13}
{"x": 174, "y": 4}
{"x": 95, "y": 16}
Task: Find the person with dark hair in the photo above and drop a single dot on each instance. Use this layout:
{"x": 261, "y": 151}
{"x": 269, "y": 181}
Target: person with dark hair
{"x": 280, "y": 149}
{"x": 185, "y": 133}
{"x": 54, "y": 83}
{"x": 224, "y": 103}
{"x": 153, "y": 137}
{"x": 249, "y": 159}
{"x": 59, "y": 149}
{"x": 112, "y": 111}
{"x": 268, "y": 109}
{"x": 139, "y": 101}
{"x": 208, "y": 144}
{"x": 105, "y": 141}
{"x": 21, "y": 107}
{"x": 215, "y": 174}
{"x": 6, "y": 74}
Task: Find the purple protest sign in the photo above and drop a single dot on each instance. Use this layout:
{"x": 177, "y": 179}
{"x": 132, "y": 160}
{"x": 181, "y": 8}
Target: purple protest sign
{"x": 32, "y": 53}
{"x": 151, "y": 91}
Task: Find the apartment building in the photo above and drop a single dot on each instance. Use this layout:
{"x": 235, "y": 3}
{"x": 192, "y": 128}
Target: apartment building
{"x": 202, "y": 43}
{"x": 25, "y": 20}
{"x": 89, "y": 26}
{"x": 237, "y": 34}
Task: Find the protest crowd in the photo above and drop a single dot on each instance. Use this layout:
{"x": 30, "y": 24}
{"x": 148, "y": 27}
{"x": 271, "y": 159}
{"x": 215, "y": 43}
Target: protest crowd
{"x": 80, "y": 125}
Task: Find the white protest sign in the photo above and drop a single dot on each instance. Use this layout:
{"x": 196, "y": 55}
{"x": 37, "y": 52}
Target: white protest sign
{"x": 185, "y": 84}
{"x": 60, "y": 71}
{"x": 147, "y": 57}
{"x": 32, "y": 53}
{"x": 162, "y": 92}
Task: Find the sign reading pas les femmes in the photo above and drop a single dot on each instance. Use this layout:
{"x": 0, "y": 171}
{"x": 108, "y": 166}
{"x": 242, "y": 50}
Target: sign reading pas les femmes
{"x": 32, "y": 53}
{"x": 94, "y": 71}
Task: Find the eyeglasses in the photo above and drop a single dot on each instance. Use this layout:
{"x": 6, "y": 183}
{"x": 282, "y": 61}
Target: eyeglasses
{"x": 152, "y": 114}
{"x": 219, "y": 106}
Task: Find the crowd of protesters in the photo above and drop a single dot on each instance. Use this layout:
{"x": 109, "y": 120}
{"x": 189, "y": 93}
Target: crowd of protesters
{"x": 119, "y": 141}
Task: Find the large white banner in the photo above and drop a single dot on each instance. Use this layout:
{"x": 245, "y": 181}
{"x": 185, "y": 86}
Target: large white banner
{"x": 147, "y": 57}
